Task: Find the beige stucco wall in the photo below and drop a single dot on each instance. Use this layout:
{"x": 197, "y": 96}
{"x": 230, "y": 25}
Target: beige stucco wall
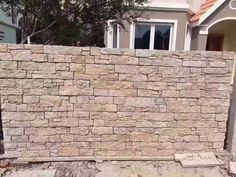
{"x": 181, "y": 17}
{"x": 227, "y": 28}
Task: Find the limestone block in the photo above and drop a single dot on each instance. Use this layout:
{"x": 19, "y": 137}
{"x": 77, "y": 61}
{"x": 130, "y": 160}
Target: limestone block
{"x": 194, "y": 63}
{"x": 74, "y": 90}
{"x": 10, "y": 65}
{"x": 68, "y": 151}
{"x": 99, "y": 69}
{"x": 102, "y": 130}
{"x": 50, "y": 101}
{"x": 46, "y": 68}
{"x": 140, "y": 136}
{"x": 61, "y": 50}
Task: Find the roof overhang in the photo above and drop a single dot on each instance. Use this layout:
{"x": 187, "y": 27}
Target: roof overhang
{"x": 208, "y": 13}
{"x": 179, "y": 7}
{"x": 10, "y": 25}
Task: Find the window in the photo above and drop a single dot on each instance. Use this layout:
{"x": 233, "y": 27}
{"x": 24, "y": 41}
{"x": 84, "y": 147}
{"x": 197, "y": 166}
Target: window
{"x": 162, "y": 37}
{"x": 142, "y": 36}
{"x": 158, "y": 36}
{"x": 113, "y": 35}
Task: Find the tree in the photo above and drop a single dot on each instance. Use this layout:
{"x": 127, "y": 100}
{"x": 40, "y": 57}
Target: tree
{"x": 67, "y": 22}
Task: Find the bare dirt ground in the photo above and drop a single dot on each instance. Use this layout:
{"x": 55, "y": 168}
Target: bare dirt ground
{"x": 113, "y": 169}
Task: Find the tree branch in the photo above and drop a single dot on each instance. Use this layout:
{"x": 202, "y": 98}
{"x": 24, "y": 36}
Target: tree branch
{"x": 40, "y": 31}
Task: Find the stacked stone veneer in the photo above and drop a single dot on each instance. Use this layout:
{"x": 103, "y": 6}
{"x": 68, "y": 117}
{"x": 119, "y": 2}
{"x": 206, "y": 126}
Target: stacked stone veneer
{"x": 68, "y": 101}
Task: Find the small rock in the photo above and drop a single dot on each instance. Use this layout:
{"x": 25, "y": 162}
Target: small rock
{"x": 99, "y": 161}
{"x": 114, "y": 162}
{"x": 232, "y": 167}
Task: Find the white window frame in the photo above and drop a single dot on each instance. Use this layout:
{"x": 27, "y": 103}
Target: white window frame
{"x": 110, "y": 33}
{"x": 188, "y": 34}
{"x": 153, "y": 23}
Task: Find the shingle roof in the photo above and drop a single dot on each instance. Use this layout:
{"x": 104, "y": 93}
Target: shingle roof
{"x": 204, "y": 8}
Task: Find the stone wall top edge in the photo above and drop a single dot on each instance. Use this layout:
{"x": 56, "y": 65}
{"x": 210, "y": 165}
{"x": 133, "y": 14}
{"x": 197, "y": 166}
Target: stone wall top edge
{"x": 74, "y": 50}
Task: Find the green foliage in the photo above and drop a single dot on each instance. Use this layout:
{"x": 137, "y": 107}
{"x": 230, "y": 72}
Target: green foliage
{"x": 69, "y": 22}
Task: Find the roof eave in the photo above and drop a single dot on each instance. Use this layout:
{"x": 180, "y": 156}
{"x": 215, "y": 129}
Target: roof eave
{"x": 10, "y": 25}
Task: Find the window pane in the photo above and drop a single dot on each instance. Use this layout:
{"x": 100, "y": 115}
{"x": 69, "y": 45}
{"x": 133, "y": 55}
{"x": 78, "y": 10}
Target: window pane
{"x": 115, "y": 35}
{"x": 142, "y": 36}
{"x": 162, "y": 37}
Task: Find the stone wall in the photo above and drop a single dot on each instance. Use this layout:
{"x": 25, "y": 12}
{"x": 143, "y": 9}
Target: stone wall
{"x": 69, "y": 102}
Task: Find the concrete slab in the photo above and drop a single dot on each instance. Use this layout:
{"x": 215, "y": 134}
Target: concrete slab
{"x": 202, "y": 159}
{"x": 149, "y": 169}
{"x": 232, "y": 167}
{"x": 33, "y": 173}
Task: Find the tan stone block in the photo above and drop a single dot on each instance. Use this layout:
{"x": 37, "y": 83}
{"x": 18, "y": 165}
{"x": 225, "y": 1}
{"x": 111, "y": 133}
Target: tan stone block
{"x": 30, "y": 66}
{"x": 35, "y": 48}
{"x": 140, "y": 102}
{"x": 174, "y": 71}
{"x": 20, "y": 139}
{"x": 110, "y": 92}
{"x": 108, "y": 145}
{"x": 140, "y": 136}
{"x": 10, "y": 65}
{"x": 111, "y": 84}
{"x": 182, "y": 107}
{"x": 30, "y": 99}
{"x": 62, "y": 50}
{"x": 194, "y": 63}
{"x": 213, "y": 102}
{"x": 47, "y": 68}
{"x": 21, "y": 116}
{"x": 167, "y": 61}
{"x": 123, "y": 60}
{"x": 22, "y": 55}
{"x": 96, "y": 51}
{"x": 127, "y": 69}
{"x": 188, "y": 116}
{"x": 170, "y": 93}
{"x": 38, "y": 139}
{"x": 103, "y": 100}
{"x": 190, "y": 93}
{"x": 45, "y": 131}
{"x": 8, "y": 107}
{"x": 68, "y": 151}
{"x": 102, "y": 130}
{"x": 3, "y": 48}
{"x": 80, "y": 68}
{"x": 79, "y": 130}
{"x": 216, "y": 137}
{"x": 216, "y": 70}
{"x": 15, "y": 99}
{"x": 133, "y": 77}
{"x": 221, "y": 117}
{"x": 156, "y": 86}
{"x": 50, "y": 101}
{"x": 39, "y": 123}
{"x": 158, "y": 117}
{"x": 218, "y": 64}
{"x": 6, "y": 57}
{"x": 94, "y": 69}
{"x": 74, "y": 90}
{"x": 13, "y": 131}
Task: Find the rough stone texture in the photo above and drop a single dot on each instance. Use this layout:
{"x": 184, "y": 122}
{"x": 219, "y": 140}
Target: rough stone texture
{"x": 69, "y": 101}
{"x": 201, "y": 159}
{"x": 232, "y": 167}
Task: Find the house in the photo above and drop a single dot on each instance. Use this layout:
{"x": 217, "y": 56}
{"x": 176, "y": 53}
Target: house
{"x": 9, "y": 29}
{"x": 179, "y": 25}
